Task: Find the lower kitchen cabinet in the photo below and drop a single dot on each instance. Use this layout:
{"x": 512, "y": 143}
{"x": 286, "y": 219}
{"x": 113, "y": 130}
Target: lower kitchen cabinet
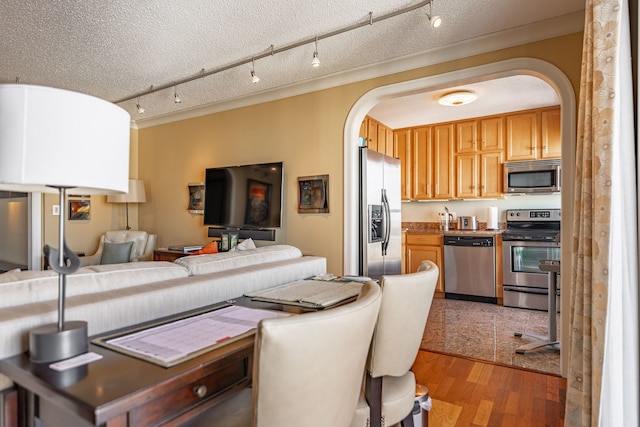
{"x": 420, "y": 247}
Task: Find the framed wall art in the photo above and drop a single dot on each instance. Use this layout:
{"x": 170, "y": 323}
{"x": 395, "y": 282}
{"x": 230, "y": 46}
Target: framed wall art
{"x": 196, "y": 198}
{"x": 79, "y": 210}
{"x": 313, "y": 194}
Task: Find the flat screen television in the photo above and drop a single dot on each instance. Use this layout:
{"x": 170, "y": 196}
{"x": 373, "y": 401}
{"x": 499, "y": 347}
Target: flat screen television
{"x": 248, "y": 196}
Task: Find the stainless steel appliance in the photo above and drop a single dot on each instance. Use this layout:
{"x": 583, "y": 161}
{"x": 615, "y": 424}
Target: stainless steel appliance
{"x": 470, "y": 267}
{"x": 380, "y": 222}
{"x": 467, "y": 223}
{"x": 538, "y": 176}
{"x": 531, "y": 235}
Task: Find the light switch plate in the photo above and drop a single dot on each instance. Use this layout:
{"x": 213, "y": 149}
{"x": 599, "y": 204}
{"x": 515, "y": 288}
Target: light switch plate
{"x": 55, "y": 210}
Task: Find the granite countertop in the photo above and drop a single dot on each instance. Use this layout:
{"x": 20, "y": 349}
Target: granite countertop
{"x": 434, "y": 228}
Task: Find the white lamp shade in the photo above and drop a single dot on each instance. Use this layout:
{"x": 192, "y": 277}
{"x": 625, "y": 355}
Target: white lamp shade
{"x": 136, "y": 193}
{"x": 57, "y": 138}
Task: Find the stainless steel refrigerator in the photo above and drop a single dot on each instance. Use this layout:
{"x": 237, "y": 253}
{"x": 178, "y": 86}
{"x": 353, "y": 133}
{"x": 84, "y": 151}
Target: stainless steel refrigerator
{"x": 380, "y": 215}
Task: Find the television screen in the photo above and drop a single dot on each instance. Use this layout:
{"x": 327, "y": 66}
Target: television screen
{"x": 248, "y": 196}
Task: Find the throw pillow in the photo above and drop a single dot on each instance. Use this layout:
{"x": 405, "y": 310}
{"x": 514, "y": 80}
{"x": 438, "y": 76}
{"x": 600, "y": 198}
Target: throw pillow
{"x": 116, "y": 253}
{"x": 246, "y": 244}
{"x": 211, "y": 248}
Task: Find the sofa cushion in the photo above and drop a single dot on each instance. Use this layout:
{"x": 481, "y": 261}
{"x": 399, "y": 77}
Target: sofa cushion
{"x": 27, "y": 287}
{"x": 138, "y": 237}
{"x": 116, "y": 253}
{"x": 213, "y": 263}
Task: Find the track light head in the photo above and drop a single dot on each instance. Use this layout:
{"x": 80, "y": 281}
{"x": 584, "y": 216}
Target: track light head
{"x": 316, "y": 61}
{"x": 139, "y": 107}
{"x": 254, "y": 78}
{"x": 435, "y": 20}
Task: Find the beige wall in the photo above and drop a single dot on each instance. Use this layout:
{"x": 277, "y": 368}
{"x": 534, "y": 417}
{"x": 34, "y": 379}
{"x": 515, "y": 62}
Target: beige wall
{"x": 306, "y": 132}
{"x": 303, "y": 131}
{"x": 83, "y": 236}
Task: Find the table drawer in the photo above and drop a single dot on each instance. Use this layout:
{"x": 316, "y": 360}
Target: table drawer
{"x": 185, "y": 398}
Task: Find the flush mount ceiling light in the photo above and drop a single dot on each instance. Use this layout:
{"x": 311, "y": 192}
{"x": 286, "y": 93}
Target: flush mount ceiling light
{"x": 457, "y": 98}
{"x": 316, "y": 61}
{"x": 435, "y": 20}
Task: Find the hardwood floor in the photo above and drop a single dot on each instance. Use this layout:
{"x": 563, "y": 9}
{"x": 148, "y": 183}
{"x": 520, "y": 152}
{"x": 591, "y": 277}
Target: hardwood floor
{"x": 467, "y": 392}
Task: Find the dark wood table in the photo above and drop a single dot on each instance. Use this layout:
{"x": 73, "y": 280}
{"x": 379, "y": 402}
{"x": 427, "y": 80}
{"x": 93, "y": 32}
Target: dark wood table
{"x": 120, "y": 390}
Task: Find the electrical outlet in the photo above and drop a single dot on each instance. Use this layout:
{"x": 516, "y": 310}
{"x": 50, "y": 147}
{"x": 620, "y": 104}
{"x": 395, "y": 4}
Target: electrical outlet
{"x": 55, "y": 210}
{"x": 454, "y": 217}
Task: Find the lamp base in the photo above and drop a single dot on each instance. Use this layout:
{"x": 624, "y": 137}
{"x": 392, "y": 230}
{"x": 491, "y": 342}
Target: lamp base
{"x": 48, "y": 344}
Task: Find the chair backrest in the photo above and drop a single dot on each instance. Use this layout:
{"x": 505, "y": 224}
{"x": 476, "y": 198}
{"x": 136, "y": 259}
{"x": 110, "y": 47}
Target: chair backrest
{"x": 308, "y": 368}
{"x": 139, "y": 239}
{"x": 406, "y": 300}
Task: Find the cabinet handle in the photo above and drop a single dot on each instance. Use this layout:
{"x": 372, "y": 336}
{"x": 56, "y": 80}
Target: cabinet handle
{"x": 200, "y": 390}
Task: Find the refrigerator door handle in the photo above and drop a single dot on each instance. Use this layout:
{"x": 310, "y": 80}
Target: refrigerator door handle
{"x": 387, "y": 222}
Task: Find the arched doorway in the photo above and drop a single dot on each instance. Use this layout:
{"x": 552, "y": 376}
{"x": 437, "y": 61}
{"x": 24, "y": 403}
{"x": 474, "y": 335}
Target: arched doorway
{"x": 519, "y": 66}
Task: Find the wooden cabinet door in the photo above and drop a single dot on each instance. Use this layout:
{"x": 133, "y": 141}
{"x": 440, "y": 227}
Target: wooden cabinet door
{"x": 415, "y": 254}
{"x": 491, "y": 174}
{"x": 382, "y": 139}
{"x": 550, "y": 138}
{"x": 466, "y": 136}
{"x": 372, "y": 135}
{"x": 402, "y": 151}
{"x": 522, "y": 136}
{"x": 492, "y": 134}
{"x": 467, "y": 176}
{"x": 389, "y": 143}
{"x": 443, "y": 166}
{"x": 364, "y": 127}
{"x": 422, "y": 162}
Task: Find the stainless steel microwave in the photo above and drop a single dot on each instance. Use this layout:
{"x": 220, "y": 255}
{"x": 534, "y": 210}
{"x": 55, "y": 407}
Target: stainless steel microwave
{"x": 537, "y": 176}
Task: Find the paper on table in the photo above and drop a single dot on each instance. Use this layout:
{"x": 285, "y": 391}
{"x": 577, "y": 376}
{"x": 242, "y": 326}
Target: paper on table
{"x": 176, "y": 340}
{"x": 73, "y": 362}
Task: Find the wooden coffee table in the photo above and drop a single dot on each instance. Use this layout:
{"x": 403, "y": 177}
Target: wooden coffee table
{"x": 121, "y": 390}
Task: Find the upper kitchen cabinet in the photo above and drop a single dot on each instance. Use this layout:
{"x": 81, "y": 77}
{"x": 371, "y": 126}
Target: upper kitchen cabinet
{"x": 443, "y": 175}
{"x": 432, "y": 162}
{"x": 533, "y": 135}
{"x": 474, "y": 136}
{"x": 479, "y": 148}
{"x": 402, "y": 151}
{"x": 378, "y": 137}
{"x": 550, "y": 135}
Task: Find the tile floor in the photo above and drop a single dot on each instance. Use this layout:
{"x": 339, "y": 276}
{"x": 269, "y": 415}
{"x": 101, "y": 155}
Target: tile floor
{"x": 485, "y": 331}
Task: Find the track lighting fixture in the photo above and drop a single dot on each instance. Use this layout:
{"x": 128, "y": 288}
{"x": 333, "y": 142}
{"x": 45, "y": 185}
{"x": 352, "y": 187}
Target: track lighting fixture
{"x": 139, "y": 107}
{"x": 254, "y": 78}
{"x": 435, "y": 20}
{"x": 316, "y": 61}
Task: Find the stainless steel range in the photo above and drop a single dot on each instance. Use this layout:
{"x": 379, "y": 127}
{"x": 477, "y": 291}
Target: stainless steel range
{"x": 531, "y": 235}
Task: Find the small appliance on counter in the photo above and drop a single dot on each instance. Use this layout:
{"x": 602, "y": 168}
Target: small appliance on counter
{"x": 467, "y": 223}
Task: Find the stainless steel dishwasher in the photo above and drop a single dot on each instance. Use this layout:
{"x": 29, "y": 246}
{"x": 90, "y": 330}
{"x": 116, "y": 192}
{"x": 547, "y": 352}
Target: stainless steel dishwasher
{"x": 470, "y": 267}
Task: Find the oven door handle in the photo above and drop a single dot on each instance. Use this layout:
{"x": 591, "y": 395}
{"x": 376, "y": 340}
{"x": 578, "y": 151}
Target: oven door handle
{"x": 526, "y": 290}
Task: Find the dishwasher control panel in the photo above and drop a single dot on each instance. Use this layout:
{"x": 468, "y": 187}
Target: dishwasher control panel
{"x": 469, "y": 241}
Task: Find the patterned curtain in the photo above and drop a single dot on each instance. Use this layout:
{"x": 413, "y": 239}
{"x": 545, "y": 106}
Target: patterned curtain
{"x": 592, "y": 210}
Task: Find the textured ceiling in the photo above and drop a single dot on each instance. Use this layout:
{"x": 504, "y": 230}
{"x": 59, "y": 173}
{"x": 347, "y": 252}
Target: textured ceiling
{"x": 116, "y": 49}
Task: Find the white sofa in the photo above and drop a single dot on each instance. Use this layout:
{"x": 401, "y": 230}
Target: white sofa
{"x": 117, "y": 295}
